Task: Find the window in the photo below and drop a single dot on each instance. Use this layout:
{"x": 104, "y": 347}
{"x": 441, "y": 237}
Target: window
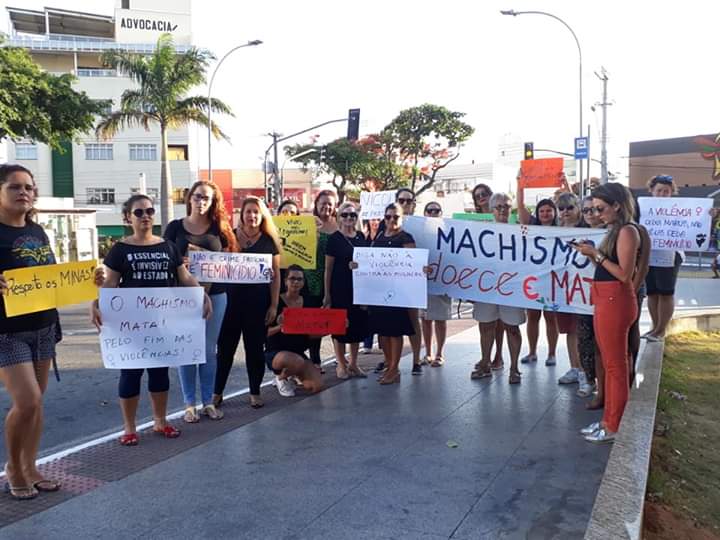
{"x": 143, "y": 152}
{"x": 100, "y": 195}
{"x": 178, "y": 195}
{"x": 95, "y": 151}
{"x": 153, "y": 193}
{"x": 25, "y": 151}
{"x": 177, "y": 152}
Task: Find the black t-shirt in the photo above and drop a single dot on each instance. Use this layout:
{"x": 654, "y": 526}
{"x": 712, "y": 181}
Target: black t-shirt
{"x": 210, "y": 240}
{"x": 21, "y": 247}
{"x": 145, "y": 266}
{"x": 296, "y": 343}
{"x": 397, "y": 240}
{"x": 256, "y": 295}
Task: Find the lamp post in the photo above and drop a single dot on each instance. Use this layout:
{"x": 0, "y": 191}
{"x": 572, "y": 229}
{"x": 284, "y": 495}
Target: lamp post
{"x": 212, "y": 78}
{"x": 577, "y": 42}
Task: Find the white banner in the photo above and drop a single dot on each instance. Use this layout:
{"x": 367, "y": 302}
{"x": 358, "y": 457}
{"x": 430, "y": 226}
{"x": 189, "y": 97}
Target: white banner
{"x": 222, "y": 267}
{"x": 390, "y": 277}
{"x": 677, "y": 223}
{"x": 152, "y": 327}
{"x": 373, "y": 203}
{"x": 513, "y": 265}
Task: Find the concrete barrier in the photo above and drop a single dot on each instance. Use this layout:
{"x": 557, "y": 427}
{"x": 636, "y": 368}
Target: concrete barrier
{"x": 618, "y": 509}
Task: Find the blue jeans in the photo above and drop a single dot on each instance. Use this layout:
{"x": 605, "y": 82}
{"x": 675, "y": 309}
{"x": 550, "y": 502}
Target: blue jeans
{"x": 207, "y": 370}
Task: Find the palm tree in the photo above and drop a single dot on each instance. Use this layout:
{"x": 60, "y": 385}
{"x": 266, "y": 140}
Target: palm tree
{"x": 163, "y": 80}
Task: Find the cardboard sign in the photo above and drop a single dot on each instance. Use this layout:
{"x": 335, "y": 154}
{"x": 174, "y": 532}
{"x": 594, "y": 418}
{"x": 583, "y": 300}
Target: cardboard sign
{"x": 677, "y": 223}
{"x": 314, "y": 321}
{"x": 541, "y": 173}
{"x": 298, "y": 236}
{"x": 473, "y": 216}
{"x": 152, "y": 327}
{"x": 512, "y": 265}
{"x": 222, "y": 267}
{"x": 37, "y": 288}
{"x": 373, "y": 203}
{"x": 390, "y": 277}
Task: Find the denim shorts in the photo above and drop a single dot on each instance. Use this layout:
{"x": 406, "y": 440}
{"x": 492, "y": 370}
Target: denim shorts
{"x": 31, "y": 346}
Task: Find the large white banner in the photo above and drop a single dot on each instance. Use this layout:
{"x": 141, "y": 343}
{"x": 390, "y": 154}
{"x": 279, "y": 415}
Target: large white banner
{"x": 390, "y": 277}
{"x": 677, "y": 223}
{"x": 152, "y": 327}
{"x": 373, "y": 203}
{"x": 514, "y": 265}
{"x": 222, "y": 267}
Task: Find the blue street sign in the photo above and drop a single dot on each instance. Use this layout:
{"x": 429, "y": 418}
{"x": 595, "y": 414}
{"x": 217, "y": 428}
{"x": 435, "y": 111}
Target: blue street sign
{"x": 582, "y": 148}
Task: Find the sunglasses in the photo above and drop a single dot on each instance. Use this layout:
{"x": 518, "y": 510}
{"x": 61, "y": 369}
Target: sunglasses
{"x": 433, "y": 211}
{"x": 481, "y": 194}
{"x": 502, "y": 207}
{"x": 664, "y": 179}
{"x": 296, "y": 279}
{"x": 389, "y": 217}
{"x": 140, "y": 212}
{"x": 563, "y": 208}
{"x": 403, "y": 200}
{"x": 201, "y": 198}
{"x": 587, "y": 211}
{"x": 348, "y": 215}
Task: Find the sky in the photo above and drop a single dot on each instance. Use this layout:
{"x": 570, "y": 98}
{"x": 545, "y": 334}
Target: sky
{"x": 510, "y": 75}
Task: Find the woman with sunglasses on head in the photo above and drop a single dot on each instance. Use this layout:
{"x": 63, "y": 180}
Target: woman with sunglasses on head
{"x": 339, "y": 289}
{"x": 27, "y": 342}
{"x": 371, "y": 228}
{"x": 546, "y": 215}
{"x": 438, "y": 312}
{"x": 391, "y": 323}
{"x": 613, "y": 295}
{"x": 325, "y": 210}
{"x": 251, "y": 306}
{"x": 661, "y": 280}
{"x": 127, "y": 267}
{"x": 206, "y": 228}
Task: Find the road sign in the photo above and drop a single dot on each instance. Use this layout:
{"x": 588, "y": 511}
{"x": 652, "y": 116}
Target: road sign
{"x": 582, "y": 148}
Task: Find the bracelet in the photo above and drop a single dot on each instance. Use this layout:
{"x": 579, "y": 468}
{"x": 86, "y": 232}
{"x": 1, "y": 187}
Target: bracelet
{"x": 599, "y": 258}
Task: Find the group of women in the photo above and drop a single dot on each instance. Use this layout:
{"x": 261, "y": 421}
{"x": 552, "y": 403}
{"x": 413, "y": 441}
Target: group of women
{"x": 255, "y": 311}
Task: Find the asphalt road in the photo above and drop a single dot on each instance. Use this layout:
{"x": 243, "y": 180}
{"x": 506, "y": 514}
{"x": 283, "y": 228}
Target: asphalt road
{"x": 83, "y": 405}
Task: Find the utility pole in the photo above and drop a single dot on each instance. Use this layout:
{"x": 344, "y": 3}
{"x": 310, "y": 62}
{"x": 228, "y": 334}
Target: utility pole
{"x": 603, "y": 138}
{"x": 276, "y": 171}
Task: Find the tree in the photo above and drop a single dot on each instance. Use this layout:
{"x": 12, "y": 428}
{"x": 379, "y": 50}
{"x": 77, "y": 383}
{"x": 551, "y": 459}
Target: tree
{"x": 163, "y": 80}
{"x": 39, "y": 106}
{"x": 423, "y": 140}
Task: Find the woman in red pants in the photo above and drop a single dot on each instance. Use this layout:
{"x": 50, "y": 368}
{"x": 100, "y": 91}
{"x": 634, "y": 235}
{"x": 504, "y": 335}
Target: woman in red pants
{"x": 614, "y": 299}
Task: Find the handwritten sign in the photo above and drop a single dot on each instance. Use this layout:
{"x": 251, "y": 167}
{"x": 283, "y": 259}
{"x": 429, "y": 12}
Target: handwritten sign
{"x": 222, "y": 267}
{"x": 513, "y": 265}
{"x": 37, "y": 288}
{"x": 390, "y": 277}
{"x": 298, "y": 236}
{"x": 541, "y": 173}
{"x": 152, "y": 327}
{"x": 677, "y": 223}
{"x": 373, "y": 203}
{"x": 472, "y": 216}
{"x": 314, "y": 321}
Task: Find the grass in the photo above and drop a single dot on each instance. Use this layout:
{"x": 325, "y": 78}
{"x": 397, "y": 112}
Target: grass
{"x": 685, "y": 461}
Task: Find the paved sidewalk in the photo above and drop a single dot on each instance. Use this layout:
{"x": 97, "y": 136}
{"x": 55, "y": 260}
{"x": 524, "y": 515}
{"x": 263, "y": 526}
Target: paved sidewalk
{"x": 364, "y": 461}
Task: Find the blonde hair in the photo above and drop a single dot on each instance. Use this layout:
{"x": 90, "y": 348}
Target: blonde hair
{"x": 267, "y": 225}
{"x": 348, "y": 204}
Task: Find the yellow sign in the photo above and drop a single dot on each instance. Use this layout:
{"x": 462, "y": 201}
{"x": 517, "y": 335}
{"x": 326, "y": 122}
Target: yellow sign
{"x": 37, "y": 288}
{"x": 298, "y": 236}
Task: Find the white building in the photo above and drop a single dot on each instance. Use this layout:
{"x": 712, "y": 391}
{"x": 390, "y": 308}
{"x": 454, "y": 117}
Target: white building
{"x": 102, "y": 174}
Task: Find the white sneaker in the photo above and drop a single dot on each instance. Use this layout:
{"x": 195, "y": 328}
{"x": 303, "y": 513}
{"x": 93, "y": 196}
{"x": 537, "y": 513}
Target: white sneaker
{"x": 285, "y": 387}
{"x": 363, "y": 350}
{"x": 585, "y": 388}
{"x": 571, "y": 377}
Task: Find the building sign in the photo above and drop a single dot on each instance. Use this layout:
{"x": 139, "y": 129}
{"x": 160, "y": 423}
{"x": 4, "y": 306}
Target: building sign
{"x": 138, "y": 26}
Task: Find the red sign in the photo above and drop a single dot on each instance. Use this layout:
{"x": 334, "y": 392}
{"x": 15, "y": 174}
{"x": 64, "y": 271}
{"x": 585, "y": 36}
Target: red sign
{"x": 541, "y": 173}
{"x": 314, "y": 321}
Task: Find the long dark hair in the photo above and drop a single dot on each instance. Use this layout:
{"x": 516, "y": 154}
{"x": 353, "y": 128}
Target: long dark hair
{"x": 9, "y": 168}
{"x": 614, "y": 193}
{"x": 128, "y": 205}
{"x": 217, "y": 212}
{"x": 546, "y": 202}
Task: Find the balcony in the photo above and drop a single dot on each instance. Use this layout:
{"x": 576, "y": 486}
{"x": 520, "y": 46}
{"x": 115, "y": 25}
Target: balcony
{"x": 96, "y": 72}
{"x": 72, "y": 44}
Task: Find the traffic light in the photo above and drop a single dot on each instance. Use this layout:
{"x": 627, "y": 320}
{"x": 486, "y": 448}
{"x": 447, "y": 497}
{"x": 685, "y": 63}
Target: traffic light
{"x": 529, "y": 151}
{"x": 270, "y": 196}
{"x": 353, "y": 124}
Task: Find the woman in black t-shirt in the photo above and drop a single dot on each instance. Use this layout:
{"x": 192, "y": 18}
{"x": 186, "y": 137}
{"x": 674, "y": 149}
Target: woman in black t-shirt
{"x": 125, "y": 271}
{"x": 206, "y": 228}
{"x": 27, "y": 342}
{"x": 251, "y": 307}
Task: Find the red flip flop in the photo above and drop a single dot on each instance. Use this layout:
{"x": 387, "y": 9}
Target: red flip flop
{"x": 168, "y": 432}
{"x": 129, "y": 439}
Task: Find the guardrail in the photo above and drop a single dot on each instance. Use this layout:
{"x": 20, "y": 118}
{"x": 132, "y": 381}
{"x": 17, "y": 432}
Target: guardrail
{"x": 72, "y": 45}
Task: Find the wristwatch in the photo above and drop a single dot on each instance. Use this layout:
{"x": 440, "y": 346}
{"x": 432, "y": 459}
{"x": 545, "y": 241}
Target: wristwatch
{"x": 599, "y": 258}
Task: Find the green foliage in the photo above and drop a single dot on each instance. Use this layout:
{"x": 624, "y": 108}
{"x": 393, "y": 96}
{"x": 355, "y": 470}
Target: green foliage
{"x": 40, "y": 106}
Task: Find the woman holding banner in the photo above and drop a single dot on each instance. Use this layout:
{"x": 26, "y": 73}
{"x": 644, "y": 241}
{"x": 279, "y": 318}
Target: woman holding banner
{"x": 27, "y": 342}
{"x": 339, "y": 289}
{"x": 614, "y": 298}
{"x": 545, "y": 215}
{"x": 251, "y": 306}
{"x": 325, "y": 210}
{"x": 206, "y": 228}
{"x": 371, "y": 228}
{"x": 126, "y": 265}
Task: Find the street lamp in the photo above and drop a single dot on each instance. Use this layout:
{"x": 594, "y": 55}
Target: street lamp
{"x": 577, "y": 42}
{"x": 252, "y": 43}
